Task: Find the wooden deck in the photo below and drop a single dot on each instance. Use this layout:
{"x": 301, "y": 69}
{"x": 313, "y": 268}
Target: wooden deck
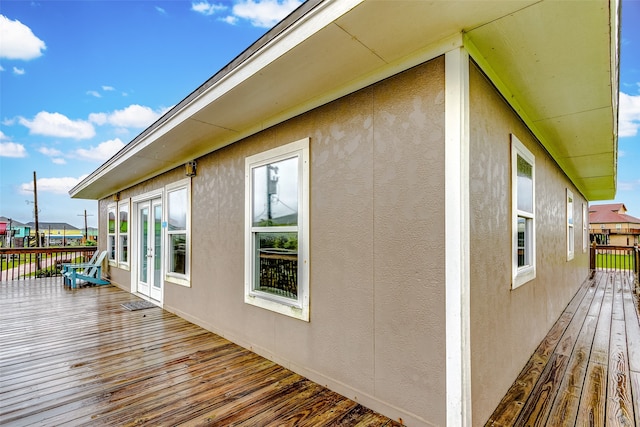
{"x": 586, "y": 372}
{"x": 76, "y": 357}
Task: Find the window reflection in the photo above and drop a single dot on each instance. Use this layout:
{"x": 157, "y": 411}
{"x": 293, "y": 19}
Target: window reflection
{"x": 275, "y": 194}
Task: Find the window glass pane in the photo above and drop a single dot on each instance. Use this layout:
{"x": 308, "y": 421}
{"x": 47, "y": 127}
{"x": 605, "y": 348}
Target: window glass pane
{"x": 571, "y": 238}
{"x": 144, "y": 243}
{"x": 177, "y": 253}
{"x": 275, "y": 194}
{"x": 178, "y": 210}
{"x": 523, "y": 253}
{"x": 570, "y": 210}
{"x": 525, "y": 185}
{"x": 124, "y": 248}
{"x": 112, "y": 221}
{"x": 112, "y": 247}
{"x": 124, "y": 221}
{"x": 277, "y": 264}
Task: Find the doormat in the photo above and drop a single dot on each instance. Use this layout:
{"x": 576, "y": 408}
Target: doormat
{"x": 138, "y": 305}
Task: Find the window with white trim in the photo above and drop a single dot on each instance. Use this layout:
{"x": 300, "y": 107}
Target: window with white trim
{"x": 178, "y": 231}
{"x": 570, "y": 226}
{"x": 585, "y": 228}
{"x": 111, "y": 232}
{"x": 523, "y": 213}
{"x": 276, "y": 230}
{"x": 123, "y": 233}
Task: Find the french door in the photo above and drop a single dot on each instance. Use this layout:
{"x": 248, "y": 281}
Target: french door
{"x": 149, "y": 248}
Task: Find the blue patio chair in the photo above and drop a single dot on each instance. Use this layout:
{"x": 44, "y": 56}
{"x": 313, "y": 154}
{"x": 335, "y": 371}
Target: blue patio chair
{"x": 87, "y": 272}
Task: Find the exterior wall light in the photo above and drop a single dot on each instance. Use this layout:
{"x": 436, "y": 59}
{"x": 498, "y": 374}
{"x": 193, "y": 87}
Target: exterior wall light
{"x": 190, "y": 168}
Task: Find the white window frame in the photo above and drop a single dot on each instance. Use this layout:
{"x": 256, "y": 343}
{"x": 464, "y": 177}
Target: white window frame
{"x": 123, "y": 205}
{"x": 299, "y": 308}
{"x": 524, "y": 274}
{"x": 585, "y": 228}
{"x": 112, "y": 237}
{"x": 169, "y": 276}
{"x": 571, "y": 235}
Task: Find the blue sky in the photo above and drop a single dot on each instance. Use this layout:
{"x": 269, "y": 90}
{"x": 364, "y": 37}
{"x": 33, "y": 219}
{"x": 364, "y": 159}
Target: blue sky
{"x": 79, "y": 79}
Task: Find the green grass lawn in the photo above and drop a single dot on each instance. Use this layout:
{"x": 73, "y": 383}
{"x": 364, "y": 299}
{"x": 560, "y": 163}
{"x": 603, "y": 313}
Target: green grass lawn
{"x": 617, "y": 261}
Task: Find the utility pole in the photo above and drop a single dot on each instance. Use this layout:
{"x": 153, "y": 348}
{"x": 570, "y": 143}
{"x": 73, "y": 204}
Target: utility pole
{"x": 86, "y": 229}
{"x": 35, "y": 209}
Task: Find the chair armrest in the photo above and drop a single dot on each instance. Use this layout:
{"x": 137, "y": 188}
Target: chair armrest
{"x": 78, "y": 266}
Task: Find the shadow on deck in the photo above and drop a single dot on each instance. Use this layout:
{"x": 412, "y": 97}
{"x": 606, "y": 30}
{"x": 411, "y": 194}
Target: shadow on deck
{"x": 586, "y": 372}
{"x": 77, "y": 357}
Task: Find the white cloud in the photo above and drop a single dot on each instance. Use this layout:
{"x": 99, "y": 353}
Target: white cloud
{"x": 52, "y": 185}
{"x": 58, "y": 125}
{"x": 206, "y": 8}
{"x": 629, "y": 115}
{"x": 54, "y": 154}
{"x": 50, "y": 152}
{"x": 12, "y": 149}
{"x": 628, "y": 185}
{"x": 232, "y": 20}
{"x": 133, "y": 116}
{"x": 94, "y": 93}
{"x": 108, "y": 88}
{"x": 18, "y": 41}
{"x": 102, "y": 152}
{"x": 18, "y": 71}
{"x": 98, "y": 118}
{"x": 161, "y": 10}
{"x": 264, "y": 13}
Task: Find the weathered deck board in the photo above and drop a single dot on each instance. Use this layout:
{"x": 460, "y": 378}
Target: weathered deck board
{"x": 619, "y": 407}
{"x": 76, "y": 357}
{"x": 585, "y": 372}
{"x": 510, "y": 408}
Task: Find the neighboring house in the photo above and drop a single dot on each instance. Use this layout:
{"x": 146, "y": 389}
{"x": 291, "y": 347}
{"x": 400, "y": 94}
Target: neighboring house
{"x": 13, "y": 233}
{"x": 610, "y": 225}
{"x": 389, "y": 198}
{"x": 57, "y": 233}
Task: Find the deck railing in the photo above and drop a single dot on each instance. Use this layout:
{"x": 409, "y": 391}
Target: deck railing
{"x": 279, "y": 272}
{"x": 618, "y": 258}
{"x": 26, "y": 263}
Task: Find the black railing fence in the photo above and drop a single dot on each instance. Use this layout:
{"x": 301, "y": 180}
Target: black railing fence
{"x": 26, "y": 263}
{"x": 616, "y": 258}
{"x": 278, "y": 273}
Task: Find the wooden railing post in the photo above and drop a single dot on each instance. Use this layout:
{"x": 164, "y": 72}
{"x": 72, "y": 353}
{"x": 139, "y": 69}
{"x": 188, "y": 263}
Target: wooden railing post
{"x": 592, "y": 257}
{"x": 636, "y": 251}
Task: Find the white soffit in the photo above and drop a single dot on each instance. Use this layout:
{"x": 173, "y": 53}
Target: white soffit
{"x": 555, "y": 59}
{"x": 339, "y": 46}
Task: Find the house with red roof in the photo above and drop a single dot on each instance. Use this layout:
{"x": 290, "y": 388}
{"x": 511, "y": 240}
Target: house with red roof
{"x": 609, "y": 224}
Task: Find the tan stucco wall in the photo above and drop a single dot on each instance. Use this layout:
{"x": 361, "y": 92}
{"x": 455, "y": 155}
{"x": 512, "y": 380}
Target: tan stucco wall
{"x": 376, "y": 248}
{"x": 507, "y": 325}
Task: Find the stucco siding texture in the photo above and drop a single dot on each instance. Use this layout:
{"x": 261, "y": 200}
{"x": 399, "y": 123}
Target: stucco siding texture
{"x": 507, "y": 325}
{"x": 377, "y": 297}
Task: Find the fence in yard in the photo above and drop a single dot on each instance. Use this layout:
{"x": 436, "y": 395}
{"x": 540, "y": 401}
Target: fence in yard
{"x": 26, "y": 263}
{"x": 620, "y": 258}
